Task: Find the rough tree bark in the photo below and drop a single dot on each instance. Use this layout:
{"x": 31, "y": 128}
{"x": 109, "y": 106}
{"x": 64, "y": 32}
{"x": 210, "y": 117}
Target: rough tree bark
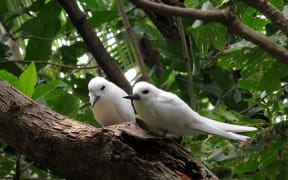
{"x": 75, "y": 150}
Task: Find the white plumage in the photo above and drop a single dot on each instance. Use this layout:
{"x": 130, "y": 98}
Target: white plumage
{"x": 107, "y": 103}
{"x": 166, "y": 112}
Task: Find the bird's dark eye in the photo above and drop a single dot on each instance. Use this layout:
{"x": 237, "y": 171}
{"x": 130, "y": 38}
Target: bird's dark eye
{"x": 102, "y": 88}
{"x": 146, "y": 91}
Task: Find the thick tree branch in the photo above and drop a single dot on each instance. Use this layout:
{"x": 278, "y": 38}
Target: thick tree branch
{"x": 76, "y": 150}
{"x": 224, "y": 16}
{"x": 277, "y": 17}
{"x": 94, "y": 44}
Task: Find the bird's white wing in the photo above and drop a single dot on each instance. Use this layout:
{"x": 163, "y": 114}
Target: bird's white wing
{"x": 179, "y": 119}
{"x": 171, "y": 113}
{"x": 124, "y": 106}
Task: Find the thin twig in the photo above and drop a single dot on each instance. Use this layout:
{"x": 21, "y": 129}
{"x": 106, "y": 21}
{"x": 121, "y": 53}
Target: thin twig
{"x": 130, "y": 10}
{"x": 17, "y": 167}
{"x": 186, "y": 59}
{"x": 43, "y": 38}
{"x": 50, "y": 63}
{"x": 133, "y": 41}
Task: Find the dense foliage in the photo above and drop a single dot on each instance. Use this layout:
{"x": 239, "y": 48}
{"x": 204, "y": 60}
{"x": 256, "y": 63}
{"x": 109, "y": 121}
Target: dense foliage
{"x": 234, "y": 81}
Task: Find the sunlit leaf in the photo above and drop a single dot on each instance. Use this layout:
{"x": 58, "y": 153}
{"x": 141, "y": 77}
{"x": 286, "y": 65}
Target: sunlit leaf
{"x": 10, "y": 78}
{"x": 28, "y": 79}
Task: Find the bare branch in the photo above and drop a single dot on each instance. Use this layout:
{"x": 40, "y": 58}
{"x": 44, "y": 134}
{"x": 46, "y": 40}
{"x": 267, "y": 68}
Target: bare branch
{"x": 224, "y": 16}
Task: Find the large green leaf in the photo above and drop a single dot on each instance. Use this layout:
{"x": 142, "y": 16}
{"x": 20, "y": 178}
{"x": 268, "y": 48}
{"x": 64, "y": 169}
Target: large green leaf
{"x": 42, "y": 30}
{"x": 70, "y": 54}
{"x": 235, "y": 59}
{"x": 5, "y": 75}
{"x": 28, "y": 79}
{"x": 248, "y": 167}
{"x": 103, "y": 16}
{"x": 262, "y": 76}
{"x": 26, "y": 82}
{"x": 45, "y": 88}
{"x": 209, "y": 36}
{"x": 62, "y": 102}
{"x": 38, "y": 49}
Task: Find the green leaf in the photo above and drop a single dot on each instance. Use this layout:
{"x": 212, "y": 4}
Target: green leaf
{"x": 62, "y": 102}
{"x": 208, "y": 36}
{"x": 218, "y": 36}
{"x": 45, "y": 88}
{"x": 69, "y": 54}
{"x": 39, "y": 47}
{"x": 103, "y": 16}
{"x": 246, "y": 167}
{"x": 6, "y": 165}
{"x": 261, "y": 76}
{"x": 253, "y": 20}
{"x": 13, "y": 14}
{"x": 28, "y": 80}
{"x": 192, "y": 4}
{"x": 253, "y": 176}
{"x": 233, "y": 60}
{"x": 10, "y": 78}
{"x": 271, "y": 152}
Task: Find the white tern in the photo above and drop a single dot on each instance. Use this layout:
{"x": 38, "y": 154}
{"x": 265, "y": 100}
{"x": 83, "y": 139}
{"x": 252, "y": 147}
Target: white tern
{"x": 167, "y": 113}
{"x": 107, "y": 103}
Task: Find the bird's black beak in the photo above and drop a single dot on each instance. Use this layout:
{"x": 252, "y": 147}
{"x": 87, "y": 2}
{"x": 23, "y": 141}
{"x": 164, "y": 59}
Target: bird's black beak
{"x": 133, "y": 97}
{"x": 96, "y": 98}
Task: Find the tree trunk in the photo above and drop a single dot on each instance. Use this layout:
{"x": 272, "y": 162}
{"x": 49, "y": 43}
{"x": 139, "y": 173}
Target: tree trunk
{"x": 75, "y": 150}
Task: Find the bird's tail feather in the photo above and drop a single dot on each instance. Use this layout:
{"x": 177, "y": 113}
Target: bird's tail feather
{"x": 205, "y": 128}
{"x": 228, "y": 127}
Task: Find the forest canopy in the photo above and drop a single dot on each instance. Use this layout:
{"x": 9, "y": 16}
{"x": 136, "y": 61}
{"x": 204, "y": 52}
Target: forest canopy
{"x": 226, "y": 59}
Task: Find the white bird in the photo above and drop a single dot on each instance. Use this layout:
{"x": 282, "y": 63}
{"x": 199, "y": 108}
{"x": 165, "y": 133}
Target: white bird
{"x": 107, "y": 103}
{"x": 167, "y": 113}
